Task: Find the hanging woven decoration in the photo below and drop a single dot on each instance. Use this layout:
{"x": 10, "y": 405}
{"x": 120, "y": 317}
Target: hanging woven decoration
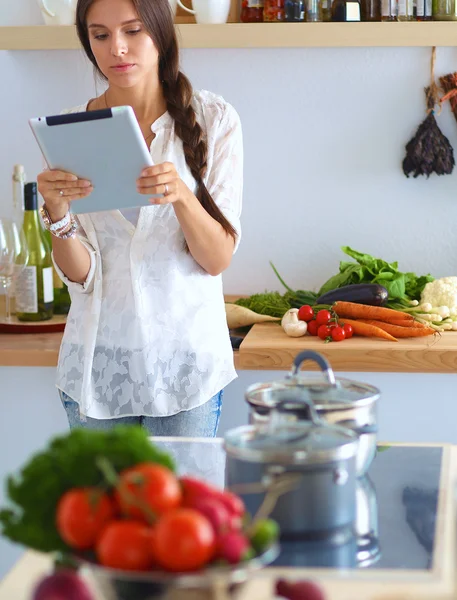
{"x": 449, "y": 86}
{"x": 429, "y": 151}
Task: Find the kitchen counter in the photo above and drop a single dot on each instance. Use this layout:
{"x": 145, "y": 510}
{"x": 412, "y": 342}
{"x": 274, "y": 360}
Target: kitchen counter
{"x": 266, "y": 346}
{"x": 410, "y": 521}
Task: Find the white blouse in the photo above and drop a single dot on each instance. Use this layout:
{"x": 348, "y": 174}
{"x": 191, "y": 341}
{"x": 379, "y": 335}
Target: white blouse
{"x": 147, "y": 331}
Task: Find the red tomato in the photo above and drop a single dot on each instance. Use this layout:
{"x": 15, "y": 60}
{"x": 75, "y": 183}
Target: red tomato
{"x": 184, "y": 540}
{"x": 324, "y": 332}
{"x": 305, "y": 313}
{"x": 82, "y": 514}
{"x": 323, "y": 317}
{"x": 126, "y": 545}
{"x": 313, "y": 327}
{"x": 338, "y": 334}
{"x": 147, "y": 490}
{"x": 348, "y": 330}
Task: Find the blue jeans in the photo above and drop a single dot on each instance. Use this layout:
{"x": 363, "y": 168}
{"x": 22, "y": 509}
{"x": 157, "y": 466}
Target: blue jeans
{"x": 202, "y": 421}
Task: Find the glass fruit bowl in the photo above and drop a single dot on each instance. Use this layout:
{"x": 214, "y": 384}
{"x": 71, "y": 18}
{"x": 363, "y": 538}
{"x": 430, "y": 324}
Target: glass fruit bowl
{"x": 214, "y": 583}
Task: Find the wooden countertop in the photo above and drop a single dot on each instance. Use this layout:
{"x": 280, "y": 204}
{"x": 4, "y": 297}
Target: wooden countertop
{"x": 266, "y": 346}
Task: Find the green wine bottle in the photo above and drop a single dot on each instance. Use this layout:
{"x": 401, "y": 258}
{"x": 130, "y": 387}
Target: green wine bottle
{"x": 34, "y": 288}
{"x": 62, "y": 299}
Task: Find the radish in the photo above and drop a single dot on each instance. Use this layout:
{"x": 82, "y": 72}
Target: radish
{"x": 216, "y": 513}
{"x": 233, "y": 503}
{"x": 234, "y": 547}
{"x": 62, "y": 585}
{"x": 299, "y": 590}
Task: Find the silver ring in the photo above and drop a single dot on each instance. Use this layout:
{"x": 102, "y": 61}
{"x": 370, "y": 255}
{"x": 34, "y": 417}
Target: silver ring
{"x": 61, "y": 192}
{"x": 166, "y": 190}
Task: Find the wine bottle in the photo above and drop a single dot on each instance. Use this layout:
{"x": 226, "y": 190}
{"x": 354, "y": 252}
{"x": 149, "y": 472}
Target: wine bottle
{"x": 62, "y": 299}
{"x": 34, "y": 288}
{"x": 19, "y": 179}
{"x": 18, "y": 194}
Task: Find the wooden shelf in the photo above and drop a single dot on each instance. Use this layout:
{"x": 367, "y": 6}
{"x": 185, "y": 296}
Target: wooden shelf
{"x": 257, "y": 35}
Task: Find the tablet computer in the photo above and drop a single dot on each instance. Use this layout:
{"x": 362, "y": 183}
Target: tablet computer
{"x": 104, "y": 146}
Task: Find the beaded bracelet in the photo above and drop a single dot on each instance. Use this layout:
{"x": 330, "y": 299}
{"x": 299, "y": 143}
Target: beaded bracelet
{"x": 63, "y": 229}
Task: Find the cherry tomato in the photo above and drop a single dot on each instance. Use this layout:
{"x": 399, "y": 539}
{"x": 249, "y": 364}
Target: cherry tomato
{"x": 184, "y": 540}
{"x": 323, "y": 317}
{"x": 82, "y": 514}
{"x": 338, "y": 334}
{"x": 147, "y": 490}
{"x": 126, "y": 545}
{"x": 324, "y": 332}
{"x": 348, "y": 330}
{"x": 313, "y": 327}
{"x": 305, "y": 313}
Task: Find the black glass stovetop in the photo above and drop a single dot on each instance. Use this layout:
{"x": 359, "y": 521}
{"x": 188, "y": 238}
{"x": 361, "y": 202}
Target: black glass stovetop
{"x": 396, "y": 508}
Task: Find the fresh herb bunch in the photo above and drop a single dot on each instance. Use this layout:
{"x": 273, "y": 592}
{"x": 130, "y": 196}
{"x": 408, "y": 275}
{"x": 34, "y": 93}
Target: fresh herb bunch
{"x": 401, "y": 287}
{"x": 69, "y": 461}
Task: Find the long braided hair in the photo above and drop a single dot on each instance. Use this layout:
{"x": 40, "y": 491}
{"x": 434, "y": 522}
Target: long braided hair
{"x": 157, "y": 18}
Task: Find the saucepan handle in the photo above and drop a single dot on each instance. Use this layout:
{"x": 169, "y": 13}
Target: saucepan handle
{"x": 317, "y": 358}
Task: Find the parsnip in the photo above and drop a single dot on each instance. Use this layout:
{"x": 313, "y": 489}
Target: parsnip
{"x": 239, "y": 316}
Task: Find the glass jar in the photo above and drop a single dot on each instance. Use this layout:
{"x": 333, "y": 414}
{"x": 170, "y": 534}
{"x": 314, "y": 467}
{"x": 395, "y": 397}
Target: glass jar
{"x": 294, "y": 11}
{"x": 423, "y": 10}
{"x": 444, "y": 10}
{"x": 274, "y": 11}
{"x": 251, "y": 11}
{"x": 389, "y": 10}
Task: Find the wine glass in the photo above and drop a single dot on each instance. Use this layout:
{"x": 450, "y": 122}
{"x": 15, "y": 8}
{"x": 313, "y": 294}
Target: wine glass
{"x": 14, "y": 257}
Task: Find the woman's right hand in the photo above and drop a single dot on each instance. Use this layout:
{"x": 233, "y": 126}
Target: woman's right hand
{"x": 59, "y": 188}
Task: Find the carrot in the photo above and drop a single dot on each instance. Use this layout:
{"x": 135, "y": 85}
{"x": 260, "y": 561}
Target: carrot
{"x": 399, "y": 331}
{"x": 352, "y": 310}
{"x": 366, "y": 330}
{"x": 403, "y": 323}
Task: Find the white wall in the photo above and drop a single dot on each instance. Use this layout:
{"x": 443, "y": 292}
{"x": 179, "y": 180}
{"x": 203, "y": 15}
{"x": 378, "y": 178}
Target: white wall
{"x": 324, "y": 134}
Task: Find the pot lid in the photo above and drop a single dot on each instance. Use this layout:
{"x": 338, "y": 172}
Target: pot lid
{"x": 281, "y": 441}
{"x": 325, "y": 392}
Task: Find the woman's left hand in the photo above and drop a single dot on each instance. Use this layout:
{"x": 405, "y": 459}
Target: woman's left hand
{"x": 162, "y": 179}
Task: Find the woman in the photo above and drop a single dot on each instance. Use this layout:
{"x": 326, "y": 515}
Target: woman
{"x": 146, "y": 339}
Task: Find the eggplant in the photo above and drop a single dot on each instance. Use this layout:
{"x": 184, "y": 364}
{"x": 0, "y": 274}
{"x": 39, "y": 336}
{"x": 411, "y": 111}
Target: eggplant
{"x": 362, "y": 293}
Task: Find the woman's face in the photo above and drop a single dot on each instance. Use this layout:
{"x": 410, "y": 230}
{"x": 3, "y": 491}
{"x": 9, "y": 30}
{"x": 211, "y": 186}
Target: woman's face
{"x": 123, "y": 49}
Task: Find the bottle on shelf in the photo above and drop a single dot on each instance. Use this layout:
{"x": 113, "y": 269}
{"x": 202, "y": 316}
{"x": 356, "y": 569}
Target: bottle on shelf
{"x": 273, "y": 11}
{"x": 346, "y": 10}
{"x": 294, "y": 11}
{"x": 444, "y": 10}
{"x": 34, "y": 287}
{"x": 371, "y": 10}
{"x": 251, "y": 11}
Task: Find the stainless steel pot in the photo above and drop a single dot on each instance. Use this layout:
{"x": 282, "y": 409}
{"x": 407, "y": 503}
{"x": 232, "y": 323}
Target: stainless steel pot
{"x": 339, "y": 401}
{"x": 307, "y": 468}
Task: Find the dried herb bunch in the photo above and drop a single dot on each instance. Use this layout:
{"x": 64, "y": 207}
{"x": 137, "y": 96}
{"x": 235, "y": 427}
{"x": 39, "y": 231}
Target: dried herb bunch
{"x": 429, "y": 151}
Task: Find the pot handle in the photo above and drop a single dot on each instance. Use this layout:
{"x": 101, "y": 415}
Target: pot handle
{"x": 317, "y": 358}
{"x": 313, "y": 416}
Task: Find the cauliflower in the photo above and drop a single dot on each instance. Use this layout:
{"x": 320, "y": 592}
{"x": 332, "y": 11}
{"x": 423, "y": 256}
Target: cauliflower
{"x": 441, "y": 292}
